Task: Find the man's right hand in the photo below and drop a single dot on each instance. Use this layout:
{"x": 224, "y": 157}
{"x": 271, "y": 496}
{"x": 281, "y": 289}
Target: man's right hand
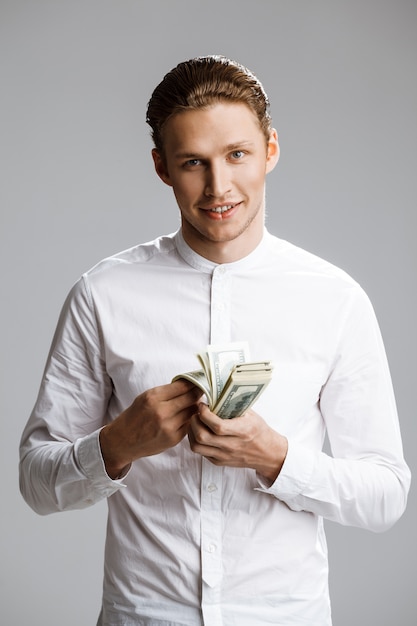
{"x": 157, "y": 419}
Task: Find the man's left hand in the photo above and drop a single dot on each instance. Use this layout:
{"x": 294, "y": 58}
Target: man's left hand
{"x": 245, "y": 441}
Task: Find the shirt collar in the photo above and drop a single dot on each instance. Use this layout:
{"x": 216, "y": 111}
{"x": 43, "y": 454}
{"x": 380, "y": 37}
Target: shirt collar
{"x": 205, "y": 265}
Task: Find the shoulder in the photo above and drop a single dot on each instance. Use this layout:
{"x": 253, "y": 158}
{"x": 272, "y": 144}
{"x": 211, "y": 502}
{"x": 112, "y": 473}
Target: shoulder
{"x": 122, "y": 271}
{"x": 138, "y": 255}
{"x": 315, "y": 281}
{"x": 129, "y": 265}
{"x": 292, "y": 259}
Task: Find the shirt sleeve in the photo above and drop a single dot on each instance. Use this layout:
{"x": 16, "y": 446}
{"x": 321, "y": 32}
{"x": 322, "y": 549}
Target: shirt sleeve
{"x": 61, "y": 466}
{"x": 365, "y": 481}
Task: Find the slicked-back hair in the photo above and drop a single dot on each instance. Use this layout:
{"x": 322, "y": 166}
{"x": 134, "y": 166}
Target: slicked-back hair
{"x": 200, "y": 83}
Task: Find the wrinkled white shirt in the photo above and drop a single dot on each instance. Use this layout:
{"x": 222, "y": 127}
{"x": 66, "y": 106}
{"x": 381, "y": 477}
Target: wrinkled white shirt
{"x": 190, "y": 543}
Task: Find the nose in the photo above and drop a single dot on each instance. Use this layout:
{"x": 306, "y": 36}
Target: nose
{"x": 217, "y": 184}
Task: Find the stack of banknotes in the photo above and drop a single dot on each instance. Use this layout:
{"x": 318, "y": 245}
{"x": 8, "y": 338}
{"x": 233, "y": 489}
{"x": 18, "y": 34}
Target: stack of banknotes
{"x": 230, "y": 381}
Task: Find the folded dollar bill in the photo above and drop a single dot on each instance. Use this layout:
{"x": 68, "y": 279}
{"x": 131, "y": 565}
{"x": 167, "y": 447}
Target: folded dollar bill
{"x": 231, "y": 383}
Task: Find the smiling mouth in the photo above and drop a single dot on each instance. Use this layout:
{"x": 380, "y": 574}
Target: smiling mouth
{"x": 221, "y": 209}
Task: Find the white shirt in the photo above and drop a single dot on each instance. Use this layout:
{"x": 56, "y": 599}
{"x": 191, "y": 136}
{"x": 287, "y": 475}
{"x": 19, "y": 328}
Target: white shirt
{"x": 189, "y": 542}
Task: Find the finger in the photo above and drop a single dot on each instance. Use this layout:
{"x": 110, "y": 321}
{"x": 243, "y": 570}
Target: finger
{"x": 186, "y": 402}
{"x": 210, "y": 452}
{"x": 178, "y": 388}
{"x": 202, "y": 438}
{"x": 215, "y": 423}
{"x": 181, "y": 390}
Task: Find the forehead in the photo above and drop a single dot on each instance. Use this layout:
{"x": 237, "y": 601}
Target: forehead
{"x": 202, "y": 130}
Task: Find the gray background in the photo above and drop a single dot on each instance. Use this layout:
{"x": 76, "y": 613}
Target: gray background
{"x": 78, "y": 185}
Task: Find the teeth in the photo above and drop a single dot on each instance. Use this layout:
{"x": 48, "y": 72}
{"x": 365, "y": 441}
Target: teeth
{"x": 221, "y": 209}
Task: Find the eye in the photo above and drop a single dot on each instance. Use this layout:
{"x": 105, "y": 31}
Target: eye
{"x": 237, "y": 154}
{"x": 192, "y": 163}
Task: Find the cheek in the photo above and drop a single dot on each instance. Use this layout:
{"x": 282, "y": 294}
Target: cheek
{"x": 188, "y": 190}
{"x": 254, "y": 178}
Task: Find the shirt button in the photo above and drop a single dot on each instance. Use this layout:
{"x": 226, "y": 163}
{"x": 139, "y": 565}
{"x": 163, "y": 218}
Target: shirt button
{"x": 211, "y": 487}
{"x": 219, "y": 272}
{"x": 212, "y": 548}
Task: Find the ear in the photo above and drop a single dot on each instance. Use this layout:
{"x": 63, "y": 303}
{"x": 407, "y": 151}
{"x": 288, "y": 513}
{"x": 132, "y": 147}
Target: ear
{"x": 272, "y": 154}
{"x": 160, "y": 167}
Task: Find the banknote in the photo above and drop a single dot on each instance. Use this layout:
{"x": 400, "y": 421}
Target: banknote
{"x": 217, "y": 362}
{"x": 243, "y": 387}
{"x": 231, "y": 383}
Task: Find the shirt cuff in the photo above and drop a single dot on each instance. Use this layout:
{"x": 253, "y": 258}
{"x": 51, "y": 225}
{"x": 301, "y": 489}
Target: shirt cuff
{"x": 89, "y": 457}
{"x": 294, "y": 476}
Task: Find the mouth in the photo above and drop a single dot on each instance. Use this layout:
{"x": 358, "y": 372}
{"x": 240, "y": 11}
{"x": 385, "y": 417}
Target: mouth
{"x": 221, "y": 210}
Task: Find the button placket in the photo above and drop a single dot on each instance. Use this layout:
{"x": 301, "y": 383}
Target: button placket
{"x": 212, "y": 476}
{"x": 220, "y": 305}
{"x": 211, "y": 523}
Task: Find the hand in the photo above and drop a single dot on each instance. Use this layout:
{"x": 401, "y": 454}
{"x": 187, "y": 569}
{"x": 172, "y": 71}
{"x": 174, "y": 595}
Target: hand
{"x": 245, "y": 441}
{"x": 156, "y": 420}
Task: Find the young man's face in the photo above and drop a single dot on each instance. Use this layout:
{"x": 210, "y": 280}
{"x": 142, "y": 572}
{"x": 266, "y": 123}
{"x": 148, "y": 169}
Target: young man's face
{"x": 216, "y": 160}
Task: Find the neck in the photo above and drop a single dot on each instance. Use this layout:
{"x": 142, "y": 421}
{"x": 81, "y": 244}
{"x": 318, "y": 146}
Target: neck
{"x": 226, "y": 247}
{"x": 223, "y": 251}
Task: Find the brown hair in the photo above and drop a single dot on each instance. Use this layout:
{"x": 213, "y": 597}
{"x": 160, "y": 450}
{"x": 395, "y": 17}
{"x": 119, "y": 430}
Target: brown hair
{"x": 201, "y": 82}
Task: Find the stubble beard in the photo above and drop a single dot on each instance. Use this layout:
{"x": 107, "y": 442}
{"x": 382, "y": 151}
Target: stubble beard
{"x": 208, "y": 238}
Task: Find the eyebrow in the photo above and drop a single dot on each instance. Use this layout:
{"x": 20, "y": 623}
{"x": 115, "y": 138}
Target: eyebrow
{"x": 237, "y": 145}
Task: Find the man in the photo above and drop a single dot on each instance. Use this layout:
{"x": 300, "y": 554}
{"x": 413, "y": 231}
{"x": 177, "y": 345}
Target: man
{"x": 216, "y": 521}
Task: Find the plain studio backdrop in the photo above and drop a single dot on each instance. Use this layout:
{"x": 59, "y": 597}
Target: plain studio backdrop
{"x": 78, "y": 185}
